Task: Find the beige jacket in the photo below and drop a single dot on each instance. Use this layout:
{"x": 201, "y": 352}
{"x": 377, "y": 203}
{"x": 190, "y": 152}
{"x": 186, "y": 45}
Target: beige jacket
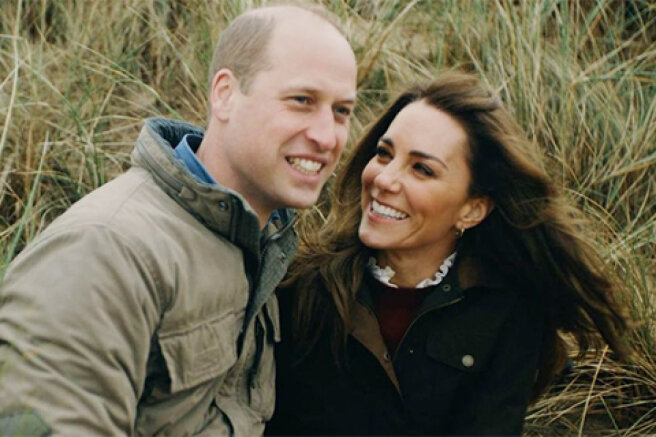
{"x": 146, "y": 308}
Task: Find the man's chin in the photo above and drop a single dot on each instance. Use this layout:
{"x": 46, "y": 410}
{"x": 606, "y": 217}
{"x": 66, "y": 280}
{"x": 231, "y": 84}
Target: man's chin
{"x": 302, "y": 202}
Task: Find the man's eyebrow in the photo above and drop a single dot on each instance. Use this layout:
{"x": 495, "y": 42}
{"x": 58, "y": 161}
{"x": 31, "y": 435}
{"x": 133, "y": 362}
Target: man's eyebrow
{"x": 416, "y": 153}
{"x": 347, "y": 101}
{"x": 315, "y": 91}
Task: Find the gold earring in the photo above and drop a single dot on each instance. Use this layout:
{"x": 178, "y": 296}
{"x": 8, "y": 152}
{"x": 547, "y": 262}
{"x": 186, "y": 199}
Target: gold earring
{"x": 460, "y": 232}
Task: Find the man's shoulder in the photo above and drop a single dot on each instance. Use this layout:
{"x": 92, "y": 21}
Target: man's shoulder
{"x": 133, "y": 208}
{"x": 121, "y": 203}
{"x": 130, "y": 208}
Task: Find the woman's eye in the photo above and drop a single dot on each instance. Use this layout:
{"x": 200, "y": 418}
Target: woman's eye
{"x": 424, "y": 169}
{"x": 382, "y": 152}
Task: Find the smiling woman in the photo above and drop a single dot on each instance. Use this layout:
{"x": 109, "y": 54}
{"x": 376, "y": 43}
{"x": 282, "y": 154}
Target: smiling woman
{"x": 434, "y": 298}
{"x": 415, "y": 193}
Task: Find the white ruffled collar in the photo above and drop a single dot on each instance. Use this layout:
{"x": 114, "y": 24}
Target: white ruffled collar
{"x": 384, "y": 275}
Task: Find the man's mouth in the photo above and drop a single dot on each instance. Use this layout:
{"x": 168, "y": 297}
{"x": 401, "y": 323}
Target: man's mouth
{"x": 306, "y": 166}
{"x": 387, "y": 211}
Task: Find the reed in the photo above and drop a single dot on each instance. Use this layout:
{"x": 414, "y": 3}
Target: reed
{"x": 78, "y": 77}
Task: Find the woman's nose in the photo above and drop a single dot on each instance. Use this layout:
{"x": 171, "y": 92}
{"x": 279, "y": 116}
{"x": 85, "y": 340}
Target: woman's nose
{"x": 388, "y": 179}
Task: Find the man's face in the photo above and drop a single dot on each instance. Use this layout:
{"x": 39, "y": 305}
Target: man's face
{"x": 284, "y": 136}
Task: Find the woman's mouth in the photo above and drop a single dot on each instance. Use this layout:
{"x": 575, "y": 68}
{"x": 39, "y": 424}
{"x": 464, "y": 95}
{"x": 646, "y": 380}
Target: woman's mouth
{"x": 387, "y": 211}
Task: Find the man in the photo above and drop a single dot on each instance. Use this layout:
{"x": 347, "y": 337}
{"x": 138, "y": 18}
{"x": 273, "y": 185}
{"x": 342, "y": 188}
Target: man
{"x": 147, "y": 308}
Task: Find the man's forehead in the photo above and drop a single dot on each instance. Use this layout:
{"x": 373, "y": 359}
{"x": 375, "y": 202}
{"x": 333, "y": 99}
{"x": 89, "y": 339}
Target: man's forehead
{"x": 294, "y": 23}
{"x": 308, "y": 54}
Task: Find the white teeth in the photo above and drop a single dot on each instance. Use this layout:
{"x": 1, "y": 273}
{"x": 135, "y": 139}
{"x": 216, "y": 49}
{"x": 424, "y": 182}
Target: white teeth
{"x": 305, "y": 165}
{"x": 386, "y": 211}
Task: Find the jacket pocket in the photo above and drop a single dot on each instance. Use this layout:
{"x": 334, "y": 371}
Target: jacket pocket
{"x": 467, "y": 353}
{"x": 466, "y": 336}
{"x": 200, "y": 354}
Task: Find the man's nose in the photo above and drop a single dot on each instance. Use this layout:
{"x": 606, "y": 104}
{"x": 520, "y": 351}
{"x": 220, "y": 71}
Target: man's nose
{"x": 322, "y": 130}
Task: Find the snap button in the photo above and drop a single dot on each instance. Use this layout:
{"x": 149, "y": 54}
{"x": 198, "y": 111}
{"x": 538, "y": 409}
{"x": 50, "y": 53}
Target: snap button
{"x": 223, "y": 205}
{"x": 467, "y": 360}
{"x": 387, "y": 356}
{"x": 411, "y": 351}
{"x": 446, "y": 287}
{"x": 187, "y": 194}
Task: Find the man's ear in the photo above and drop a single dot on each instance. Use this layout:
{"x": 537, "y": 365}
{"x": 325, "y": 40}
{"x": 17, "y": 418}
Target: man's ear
{"x": 222, "y": 91}
{"x": 475, "y": 211}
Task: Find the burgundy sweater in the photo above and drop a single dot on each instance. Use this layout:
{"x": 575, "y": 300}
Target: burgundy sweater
{"x": 395, "y": 309}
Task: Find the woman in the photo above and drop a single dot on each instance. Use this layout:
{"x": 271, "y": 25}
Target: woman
{"x": 432, "y": 298}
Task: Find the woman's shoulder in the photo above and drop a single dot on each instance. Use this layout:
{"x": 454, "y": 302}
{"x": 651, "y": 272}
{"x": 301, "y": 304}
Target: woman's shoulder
{"x": 490, "y": 299}
{"x": 476, "y": 272}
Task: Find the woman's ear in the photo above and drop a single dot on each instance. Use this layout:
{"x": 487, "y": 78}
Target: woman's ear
{"x": 222, "y": 91}
{"x": 474, "y": 212}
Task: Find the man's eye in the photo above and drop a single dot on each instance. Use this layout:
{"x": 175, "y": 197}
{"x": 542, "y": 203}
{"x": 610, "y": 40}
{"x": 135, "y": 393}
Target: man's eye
{"x": 304, "y": 100}
{"x": 343, "y": 111}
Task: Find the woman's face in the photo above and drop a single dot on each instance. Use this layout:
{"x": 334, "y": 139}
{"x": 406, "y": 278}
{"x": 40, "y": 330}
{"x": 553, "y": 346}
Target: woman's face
{"x": 415, "y": 188}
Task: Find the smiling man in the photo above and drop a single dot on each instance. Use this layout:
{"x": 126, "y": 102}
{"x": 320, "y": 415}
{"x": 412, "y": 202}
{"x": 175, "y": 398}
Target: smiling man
{"x": 147, "y": 308}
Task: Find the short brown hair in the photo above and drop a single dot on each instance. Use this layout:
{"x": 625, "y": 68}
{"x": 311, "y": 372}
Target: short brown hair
{"x": 242, "y": 46}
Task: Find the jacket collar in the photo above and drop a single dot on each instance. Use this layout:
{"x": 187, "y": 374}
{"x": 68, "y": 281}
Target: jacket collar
{"x": 466, "y": 273}
{"x": 220, "y": 209}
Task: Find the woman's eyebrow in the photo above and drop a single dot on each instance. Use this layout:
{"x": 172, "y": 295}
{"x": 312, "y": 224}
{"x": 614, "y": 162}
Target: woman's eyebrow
{"x": 424, "y": 155}
{"x": 416, "y": 153}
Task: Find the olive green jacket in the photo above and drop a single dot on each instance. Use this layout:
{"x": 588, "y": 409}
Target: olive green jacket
{"x": 146, "y": 308}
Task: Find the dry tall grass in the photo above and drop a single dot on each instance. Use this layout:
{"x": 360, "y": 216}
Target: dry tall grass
{"x": 78, "y": 77}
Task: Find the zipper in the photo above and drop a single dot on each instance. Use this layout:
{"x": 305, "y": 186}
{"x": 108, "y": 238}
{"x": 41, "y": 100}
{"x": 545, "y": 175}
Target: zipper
{"x": 276, "y": 235}
{"x": 259, "y": 348}
{"x": 252, "y": 289}
{"x": 419, "y": 316}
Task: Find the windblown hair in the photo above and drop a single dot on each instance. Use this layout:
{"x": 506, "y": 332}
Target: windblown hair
{"x": 531, "y": 238}
{"x": 242, "y": 46}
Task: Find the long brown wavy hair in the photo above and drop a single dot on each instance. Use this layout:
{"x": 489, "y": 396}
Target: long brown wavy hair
{"x": 532, "y": 237}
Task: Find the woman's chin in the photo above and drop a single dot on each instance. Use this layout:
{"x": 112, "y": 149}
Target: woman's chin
{"x": 374, "y": 241}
